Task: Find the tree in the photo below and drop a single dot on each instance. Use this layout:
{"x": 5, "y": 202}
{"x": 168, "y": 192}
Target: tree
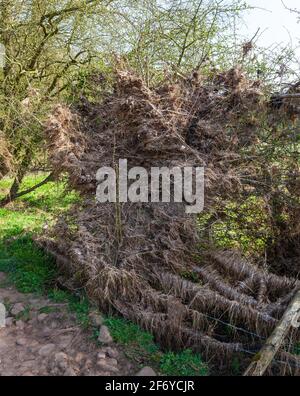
{"x": 52, "y": 46}
{"x": 45, "y": 43}
{"x": 174, "y": 34}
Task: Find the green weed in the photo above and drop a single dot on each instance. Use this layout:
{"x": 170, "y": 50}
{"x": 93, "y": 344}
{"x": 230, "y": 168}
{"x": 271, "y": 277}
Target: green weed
{"x": 183, "y": 364}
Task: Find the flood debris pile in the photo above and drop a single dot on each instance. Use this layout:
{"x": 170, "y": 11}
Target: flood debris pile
{"x": 143, "y": 260}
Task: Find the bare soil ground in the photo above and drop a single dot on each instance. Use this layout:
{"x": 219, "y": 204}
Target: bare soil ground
{"x": 43, "y": 339}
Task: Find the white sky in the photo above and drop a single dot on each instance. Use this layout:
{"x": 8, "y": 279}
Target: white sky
{"x": 278, "y": 24}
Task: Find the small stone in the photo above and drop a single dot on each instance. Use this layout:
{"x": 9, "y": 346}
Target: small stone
{"x": 96, "y": 319}
{"x": 110, "y": 352}
{"x": 9, "y": 322}
{"x": 79, "y": 358}
{"x": 70, "y": 372}
{"x": 105, "y": 365}
{"x": 146, "y": 372}
{"x": 65, "y": 341}
{"x": 111, "y": 362}
{"x": 88, "y": 365}
{"x": 42, "y": 317}
{"x": 101, "y": 355}
{"x": 46, "y": 350}
{"x": 28, "y": 364}
{"x": 17, "y": 309}
{"x": 47, "y": 331}
{"x": 37, "y": 304}
{"x": 104, "y": 335}
{"x": 34, "y": 343}
{"x": 34, "y": 301}
{"x": 33, "y": 347}
{"x": 129, "y": 366}
{"x": 20, "y": 324}
{"x": 63, "y": 365}
{"x": 60, "y": 357}
{"x": 21, "y": 342}
{"x": 29, "y": 329}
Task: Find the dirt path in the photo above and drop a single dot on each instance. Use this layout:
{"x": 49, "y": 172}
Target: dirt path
{"x": 42, "y": 338}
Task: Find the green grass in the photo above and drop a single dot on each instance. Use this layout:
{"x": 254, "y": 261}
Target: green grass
{"x": 31, "y": 270}
{"x": 138, "y": 343}
{"x": 48, "y": 310}
{"x": 185, "y": 364}
{"x": 79, "y": 305}
{"x": 140, "y": 346}
{"x": 127, "y": 333}
{"x": 33, "y": 211}
{"x": 24, "y": 315}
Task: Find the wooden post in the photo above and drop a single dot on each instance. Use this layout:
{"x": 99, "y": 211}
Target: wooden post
{"x": 269, "y": 350}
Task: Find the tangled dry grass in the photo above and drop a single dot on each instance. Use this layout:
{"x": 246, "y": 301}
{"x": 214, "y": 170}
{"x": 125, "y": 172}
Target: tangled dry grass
{"x": 143, "y": 260}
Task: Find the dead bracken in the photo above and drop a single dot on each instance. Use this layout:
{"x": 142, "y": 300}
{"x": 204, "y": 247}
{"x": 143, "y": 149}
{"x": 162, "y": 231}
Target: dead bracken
{"x": 145, "y": 261}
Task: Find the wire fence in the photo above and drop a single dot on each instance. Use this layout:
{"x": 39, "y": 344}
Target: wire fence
{"x": 286, "y": 347}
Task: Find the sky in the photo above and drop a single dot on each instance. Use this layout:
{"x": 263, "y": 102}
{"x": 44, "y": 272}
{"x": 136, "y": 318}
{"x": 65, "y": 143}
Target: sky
{"x": 278, "y": 25}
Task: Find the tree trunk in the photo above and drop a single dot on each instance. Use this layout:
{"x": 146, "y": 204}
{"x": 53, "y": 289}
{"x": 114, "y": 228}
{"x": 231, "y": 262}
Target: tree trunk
{"x": 18, "y": 179}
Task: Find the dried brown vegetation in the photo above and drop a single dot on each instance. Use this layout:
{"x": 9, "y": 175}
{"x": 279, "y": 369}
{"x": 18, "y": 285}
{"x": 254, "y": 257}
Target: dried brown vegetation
{"x": 142, "y": 260}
